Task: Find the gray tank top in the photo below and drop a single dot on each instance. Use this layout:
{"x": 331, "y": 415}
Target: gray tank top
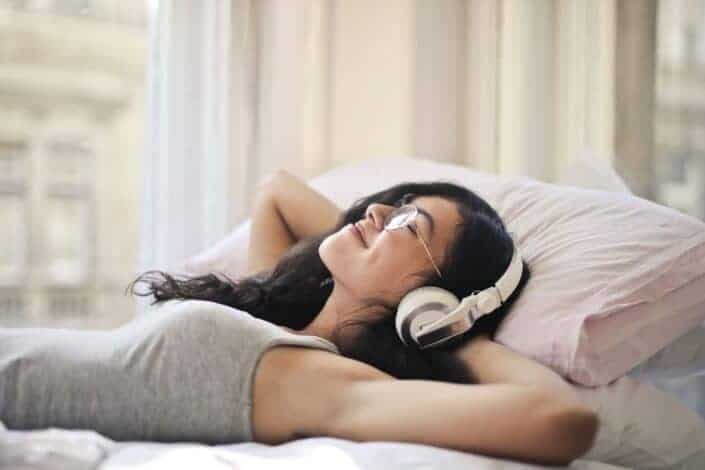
{"x": 182, "y": 371}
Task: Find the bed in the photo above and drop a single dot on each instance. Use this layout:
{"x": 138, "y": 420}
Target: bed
{"x": 636, "y": 433}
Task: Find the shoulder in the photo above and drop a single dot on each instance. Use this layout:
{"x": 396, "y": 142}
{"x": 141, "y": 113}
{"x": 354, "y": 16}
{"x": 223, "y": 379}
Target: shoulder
{"x": 196, "y": 310}
{"x": 194, "y": 305}
{"x": 196, "y": 316}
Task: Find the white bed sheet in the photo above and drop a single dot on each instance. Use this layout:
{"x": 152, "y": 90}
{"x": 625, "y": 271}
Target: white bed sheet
{"x": 679, "y": 369}
{"x": 55, "y": 449}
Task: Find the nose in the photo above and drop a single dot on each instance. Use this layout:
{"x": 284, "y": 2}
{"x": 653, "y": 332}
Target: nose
{"x": 377, "y": 212}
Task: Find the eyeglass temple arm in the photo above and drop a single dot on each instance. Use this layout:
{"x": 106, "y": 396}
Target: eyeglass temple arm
{"x": 418, "y": 235}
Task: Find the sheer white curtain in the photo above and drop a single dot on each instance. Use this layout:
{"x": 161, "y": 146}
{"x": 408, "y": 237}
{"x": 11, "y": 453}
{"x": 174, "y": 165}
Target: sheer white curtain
{"x": 242, "y": 87}
{"x": 234, "y": 93}
{"x": 185, "y": 203}
{"x": 508, "y": 86}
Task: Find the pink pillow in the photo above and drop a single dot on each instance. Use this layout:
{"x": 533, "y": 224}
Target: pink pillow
{"x": 615, "y": 277}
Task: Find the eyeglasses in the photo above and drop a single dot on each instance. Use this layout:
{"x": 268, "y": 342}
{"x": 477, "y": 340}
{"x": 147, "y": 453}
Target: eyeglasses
{"x": 406, "y": 215}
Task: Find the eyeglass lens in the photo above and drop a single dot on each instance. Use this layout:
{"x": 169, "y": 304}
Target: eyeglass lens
{"x": 399, "y": 217}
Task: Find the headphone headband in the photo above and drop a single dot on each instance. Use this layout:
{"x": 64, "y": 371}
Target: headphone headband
{"x": 510, "y": 279}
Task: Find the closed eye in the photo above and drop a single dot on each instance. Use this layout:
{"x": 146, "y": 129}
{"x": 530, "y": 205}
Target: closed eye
{"x": 412, "y": 230}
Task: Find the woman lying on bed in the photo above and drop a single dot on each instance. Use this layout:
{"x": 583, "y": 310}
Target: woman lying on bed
{"x": 312, "y": 274}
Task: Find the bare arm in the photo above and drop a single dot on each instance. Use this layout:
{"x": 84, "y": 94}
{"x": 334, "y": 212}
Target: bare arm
{"x": 270, "y": 238}
{"x": 306, "y": 212}
{"x": 303, "y": 392}
{"x": 489, "y": 362}
{"x": 286, "y": 210}
{"x": 501, "y": 420}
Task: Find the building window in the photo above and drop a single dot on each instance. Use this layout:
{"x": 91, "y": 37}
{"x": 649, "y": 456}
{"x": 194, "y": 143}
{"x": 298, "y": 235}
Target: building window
{"x": 13, "y": 161}
{"x": 67, "y": 305}
{"x": 69, "y": 163}
{"x": 13, "y": 211}
{"x": 13, "y": 241}
{"x": 13, "y": 311}
{"x": 68, "y": 242}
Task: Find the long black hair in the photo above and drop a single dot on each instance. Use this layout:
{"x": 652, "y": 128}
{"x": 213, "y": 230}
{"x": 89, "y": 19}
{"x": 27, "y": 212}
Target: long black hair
{"x": 293, "y": 292}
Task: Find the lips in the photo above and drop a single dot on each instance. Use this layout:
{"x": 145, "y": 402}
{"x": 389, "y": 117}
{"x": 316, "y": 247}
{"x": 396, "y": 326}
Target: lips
{"x": 359, "y": 233}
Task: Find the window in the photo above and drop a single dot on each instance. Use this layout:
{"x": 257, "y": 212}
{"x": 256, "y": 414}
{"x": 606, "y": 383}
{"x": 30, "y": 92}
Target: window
{"x": 71, "y": 153}
{"x": 13, "y": 161}
{"x": 679, "y": 114}
{"x": 13, "y": 250}
{"x": 13, "y": 196}
{"x": 13, "y": 311}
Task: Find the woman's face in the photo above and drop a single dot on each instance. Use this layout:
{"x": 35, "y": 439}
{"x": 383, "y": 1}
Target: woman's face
{"x": 387, "y": 264}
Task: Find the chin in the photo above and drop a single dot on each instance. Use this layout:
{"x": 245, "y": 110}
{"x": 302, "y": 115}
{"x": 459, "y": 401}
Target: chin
{"x": 333, "y": 257}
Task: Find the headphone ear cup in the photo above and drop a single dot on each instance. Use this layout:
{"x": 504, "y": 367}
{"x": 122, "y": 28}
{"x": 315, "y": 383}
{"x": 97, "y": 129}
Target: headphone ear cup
{"x": 421, "y": 306}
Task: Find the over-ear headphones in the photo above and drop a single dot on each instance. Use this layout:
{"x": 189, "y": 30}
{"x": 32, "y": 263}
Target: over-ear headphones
{"x": 429, "y": 316}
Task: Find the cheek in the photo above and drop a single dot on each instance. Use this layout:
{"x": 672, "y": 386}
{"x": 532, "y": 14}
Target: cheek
{"x": 389, "y": 276}
{"x": 341, "y": 251}
{"x": 388, "y": 262}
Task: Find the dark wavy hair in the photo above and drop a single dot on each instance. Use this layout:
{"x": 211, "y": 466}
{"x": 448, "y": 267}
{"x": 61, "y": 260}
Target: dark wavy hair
{"x": 293, "y": 292}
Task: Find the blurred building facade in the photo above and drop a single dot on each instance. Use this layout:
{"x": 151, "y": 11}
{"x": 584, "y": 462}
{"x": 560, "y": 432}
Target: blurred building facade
{"x": 72, "y": 101}
{"x": 679, "y": 115}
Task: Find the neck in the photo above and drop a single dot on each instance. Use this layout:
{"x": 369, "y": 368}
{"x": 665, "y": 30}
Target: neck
{"x": 323, "y": 324}
{"x": 338, "y": 307}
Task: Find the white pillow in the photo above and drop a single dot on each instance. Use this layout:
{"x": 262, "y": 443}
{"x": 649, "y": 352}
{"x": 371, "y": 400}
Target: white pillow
{"x": 643, "y": 427}
{"x": 591, "y": 171}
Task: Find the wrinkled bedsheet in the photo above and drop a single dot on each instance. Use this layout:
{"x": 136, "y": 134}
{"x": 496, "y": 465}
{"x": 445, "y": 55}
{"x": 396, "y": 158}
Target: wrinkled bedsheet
{"x": 61, "y": 449}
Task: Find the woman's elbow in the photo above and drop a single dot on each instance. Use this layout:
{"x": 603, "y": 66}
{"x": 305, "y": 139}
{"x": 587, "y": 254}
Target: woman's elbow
{"x": 574, "y": 430}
